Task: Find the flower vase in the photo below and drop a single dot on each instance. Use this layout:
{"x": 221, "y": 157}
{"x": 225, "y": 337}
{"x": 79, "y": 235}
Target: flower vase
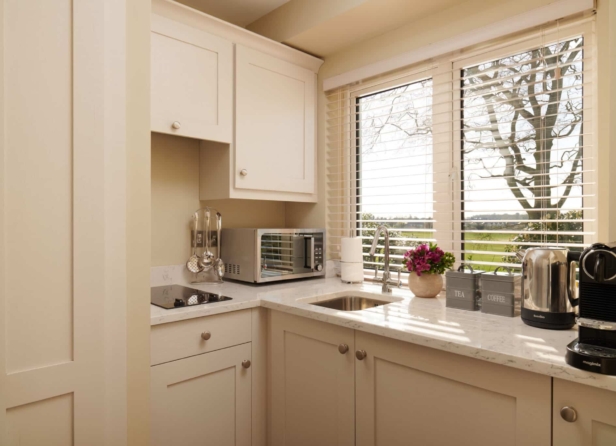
{"x": 427, "y": 285}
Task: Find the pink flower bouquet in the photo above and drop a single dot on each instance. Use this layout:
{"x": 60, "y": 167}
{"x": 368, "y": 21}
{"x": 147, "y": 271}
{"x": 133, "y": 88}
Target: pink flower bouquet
{"x": 429, "y": 259}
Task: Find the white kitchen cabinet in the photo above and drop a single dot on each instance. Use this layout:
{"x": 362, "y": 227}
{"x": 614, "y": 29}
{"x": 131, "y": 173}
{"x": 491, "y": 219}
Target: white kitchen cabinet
{"x": 274, "y": 124}
{"x": 396, "y": 394}
{"x": 594, "y": 415}
{"x": 274, "y": 153}
{"x": 407, "y": 394}
{"x": 254, "y": 111}
{"x": 311, "y": 383}
{"x": 204, "y": 399}
{"x": 192, "y": 82}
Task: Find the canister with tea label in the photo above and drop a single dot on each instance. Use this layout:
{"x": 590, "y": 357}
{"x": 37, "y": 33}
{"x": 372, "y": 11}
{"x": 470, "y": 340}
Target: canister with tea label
{"x": 463, "y": 288}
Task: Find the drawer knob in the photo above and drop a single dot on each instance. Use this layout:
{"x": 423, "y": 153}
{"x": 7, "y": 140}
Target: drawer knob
{"x": 569, "y": 414}
{"x": 361, "y": 354}
{"x": 243, "y": 172}
{"x": 176, "y": 125}
{"x": 206, "y": 335}
{"x": 246, "y": 363}
{"x": 343, "y": 348}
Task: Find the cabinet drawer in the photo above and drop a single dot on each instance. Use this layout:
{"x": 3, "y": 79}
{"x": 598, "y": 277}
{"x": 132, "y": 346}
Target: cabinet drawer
{"x": 177, "y": 340}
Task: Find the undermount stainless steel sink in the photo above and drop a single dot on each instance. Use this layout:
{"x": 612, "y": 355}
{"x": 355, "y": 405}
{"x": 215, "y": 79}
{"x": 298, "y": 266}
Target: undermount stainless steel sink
{"x": 350, "y": 303}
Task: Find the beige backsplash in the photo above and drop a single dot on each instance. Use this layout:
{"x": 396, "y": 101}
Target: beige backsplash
{"x": 175, "y": 196}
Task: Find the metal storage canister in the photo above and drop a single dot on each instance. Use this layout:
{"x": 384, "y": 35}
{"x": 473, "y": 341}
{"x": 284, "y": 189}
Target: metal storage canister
{"x": 501, "y": 293}
{"x": 463, "y": 290}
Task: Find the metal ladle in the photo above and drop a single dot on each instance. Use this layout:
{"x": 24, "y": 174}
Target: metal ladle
{"x": 219, "y": 265}
{"x": 194, "y": 264}
{"x": 207, "y": 259}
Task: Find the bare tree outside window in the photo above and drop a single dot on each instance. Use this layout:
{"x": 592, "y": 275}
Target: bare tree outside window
{"x": 522, "y": 151}
{"x": 394, "y": 165}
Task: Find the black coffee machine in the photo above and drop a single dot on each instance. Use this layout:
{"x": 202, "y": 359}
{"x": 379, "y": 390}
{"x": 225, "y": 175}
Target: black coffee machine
{"x": 595, "y": 349}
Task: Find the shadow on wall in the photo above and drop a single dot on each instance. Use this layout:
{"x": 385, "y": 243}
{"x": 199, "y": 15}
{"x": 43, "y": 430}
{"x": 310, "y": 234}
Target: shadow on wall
{"x": 175, "y": 196}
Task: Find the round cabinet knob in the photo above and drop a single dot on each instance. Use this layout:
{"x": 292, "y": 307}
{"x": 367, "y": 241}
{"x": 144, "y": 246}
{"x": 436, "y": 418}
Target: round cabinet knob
{"x": 343, "y": 348}
{"x": 361, "y": 354}
{"x": 206, "y": 335}
{"x": 569, "y": 414}
{"x": 246, "y": 363}
{"x": 319, "y": 267}
{"x": 176, "y": 125}
{"x": 243, "y": 172}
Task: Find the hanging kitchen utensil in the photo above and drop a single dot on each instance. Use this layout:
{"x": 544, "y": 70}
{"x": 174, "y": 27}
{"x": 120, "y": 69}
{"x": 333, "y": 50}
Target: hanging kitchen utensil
{"x": 193, "y": 263}
{"x": 207, "y": 259}
{"x": 219, "y": 265}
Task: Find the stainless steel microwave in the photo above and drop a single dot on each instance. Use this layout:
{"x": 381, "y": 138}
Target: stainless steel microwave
{"x": 268, "y": 255}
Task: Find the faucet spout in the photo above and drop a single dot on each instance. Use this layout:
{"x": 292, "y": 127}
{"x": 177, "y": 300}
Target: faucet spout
{"x": 382, "y": 229}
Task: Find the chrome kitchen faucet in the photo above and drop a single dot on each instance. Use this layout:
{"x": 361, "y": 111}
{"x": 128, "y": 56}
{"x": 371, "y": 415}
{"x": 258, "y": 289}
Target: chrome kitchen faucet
{"x": 382, "y": 228}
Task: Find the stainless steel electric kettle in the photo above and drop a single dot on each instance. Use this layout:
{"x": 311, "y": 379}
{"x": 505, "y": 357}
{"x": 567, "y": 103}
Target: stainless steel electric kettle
{"x": 548, "y": 288}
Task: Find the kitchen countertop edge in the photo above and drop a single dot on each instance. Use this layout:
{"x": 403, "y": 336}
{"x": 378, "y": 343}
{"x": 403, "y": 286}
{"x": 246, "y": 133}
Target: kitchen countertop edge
{"x": 293, "y": 298}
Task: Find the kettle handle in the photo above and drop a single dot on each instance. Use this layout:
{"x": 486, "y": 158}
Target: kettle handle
{"x": 573, "y": 259}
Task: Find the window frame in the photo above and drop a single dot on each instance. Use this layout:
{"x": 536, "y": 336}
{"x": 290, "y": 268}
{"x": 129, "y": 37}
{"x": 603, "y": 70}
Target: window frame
{"x": 418, "y": 74}
{"x": 445, "y": 72}
{"x": 529, "y": 42}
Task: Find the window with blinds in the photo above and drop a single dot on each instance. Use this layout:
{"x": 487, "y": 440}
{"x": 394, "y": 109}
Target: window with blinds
{"x": 394, "y": 167}
{"x": 486, "y": 154}
{"x": 526, "y": 176}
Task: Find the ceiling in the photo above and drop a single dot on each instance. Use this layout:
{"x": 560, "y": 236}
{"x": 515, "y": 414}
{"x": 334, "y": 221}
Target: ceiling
{"x": 238, "y": 12}
{"x": 324, "y": 27}
{"x": 321, "y": 27}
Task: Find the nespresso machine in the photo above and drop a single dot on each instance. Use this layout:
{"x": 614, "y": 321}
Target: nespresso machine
{"x": 595, "y": 349}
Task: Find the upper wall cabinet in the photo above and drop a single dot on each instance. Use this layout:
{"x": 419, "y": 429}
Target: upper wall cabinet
{"x": 192, "y": 82}
{"x": 256, "y": 119}
{"x": 275, "y": 124}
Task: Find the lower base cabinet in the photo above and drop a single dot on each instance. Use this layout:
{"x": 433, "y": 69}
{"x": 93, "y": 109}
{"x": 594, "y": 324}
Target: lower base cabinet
{"x": 386, "y": 392}
{"x": 407, "y": 394}
{"x": 310, "y": 382}
{"x": 203, "y": 400}
{"x": 583, "y": 415}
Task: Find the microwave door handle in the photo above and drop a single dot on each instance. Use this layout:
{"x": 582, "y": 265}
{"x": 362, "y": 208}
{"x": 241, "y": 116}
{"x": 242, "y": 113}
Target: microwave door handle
{"x": 311, "y": 239}
{"x": 312, "y": 253}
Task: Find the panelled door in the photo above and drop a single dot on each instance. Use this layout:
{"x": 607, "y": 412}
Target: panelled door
{"x": 594, "y": 415}
{"x": 407, "y": 394}
{"x": 52, "y": 286}
{"x": 311, "y": 382}
{"x": 203, "y": 400}
{"x": 274, "y": 124}
{"x": 192, "y": 82}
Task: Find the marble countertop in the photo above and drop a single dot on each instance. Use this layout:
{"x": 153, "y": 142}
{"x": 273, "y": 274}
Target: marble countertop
{"x": 427, "y": 322}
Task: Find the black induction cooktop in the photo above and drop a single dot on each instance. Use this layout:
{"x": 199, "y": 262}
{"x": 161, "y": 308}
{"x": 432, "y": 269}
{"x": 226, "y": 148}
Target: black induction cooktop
{"x": 178, "y": 296}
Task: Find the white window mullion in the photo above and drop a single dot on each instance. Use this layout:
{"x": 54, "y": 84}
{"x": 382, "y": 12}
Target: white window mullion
{"x": 443, "y": 128}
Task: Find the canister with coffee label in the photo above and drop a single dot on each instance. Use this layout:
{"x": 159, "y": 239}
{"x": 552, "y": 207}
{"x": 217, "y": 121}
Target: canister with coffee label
{"x": 501, "y": 292}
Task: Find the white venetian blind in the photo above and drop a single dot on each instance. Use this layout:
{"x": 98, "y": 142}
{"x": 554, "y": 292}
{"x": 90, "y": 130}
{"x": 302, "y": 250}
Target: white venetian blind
{"x": 484, "y": 154}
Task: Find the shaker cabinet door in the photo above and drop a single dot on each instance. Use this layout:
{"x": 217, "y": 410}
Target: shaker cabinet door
{"x": 594, "y": 411}
{"x": 407, "y": 394}
{"x": 275, "y": 124}
{"x": 311, "y": 383}
{"x": 204, "y": 399}
{"x": 192, "y": 82}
